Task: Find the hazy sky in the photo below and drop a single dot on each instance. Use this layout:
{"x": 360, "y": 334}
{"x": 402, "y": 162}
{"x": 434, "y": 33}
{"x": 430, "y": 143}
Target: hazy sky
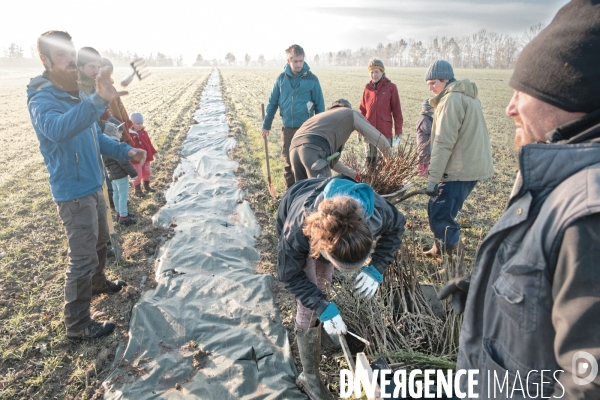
{"x": 213, "y": 28}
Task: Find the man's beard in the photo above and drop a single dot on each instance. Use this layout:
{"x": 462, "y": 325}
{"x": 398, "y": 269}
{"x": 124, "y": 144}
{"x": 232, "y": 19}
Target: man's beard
{"x": 66, "y": 79}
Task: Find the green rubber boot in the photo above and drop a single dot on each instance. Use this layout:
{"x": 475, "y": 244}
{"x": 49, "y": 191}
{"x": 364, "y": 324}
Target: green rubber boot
{"x": 309, "y": 347}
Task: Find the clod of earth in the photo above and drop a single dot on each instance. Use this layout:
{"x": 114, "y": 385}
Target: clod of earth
{"x": 200, "y": 358}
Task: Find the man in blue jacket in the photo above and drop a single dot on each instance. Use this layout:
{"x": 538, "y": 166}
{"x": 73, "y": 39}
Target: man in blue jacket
{"x": 64, "y": 120}
{"x": 297, "y": 92}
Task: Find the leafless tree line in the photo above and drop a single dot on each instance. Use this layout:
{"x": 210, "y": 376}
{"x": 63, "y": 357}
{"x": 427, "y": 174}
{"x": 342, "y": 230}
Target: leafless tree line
{"x": 14, "y": 55}
{"x": 483, "y": 49}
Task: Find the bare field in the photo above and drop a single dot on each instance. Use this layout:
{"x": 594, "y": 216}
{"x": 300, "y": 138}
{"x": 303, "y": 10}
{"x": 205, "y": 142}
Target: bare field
{"x": 245, "y": 89}
{"x": 249, "y": 87}
{"x": 36, "y": 360}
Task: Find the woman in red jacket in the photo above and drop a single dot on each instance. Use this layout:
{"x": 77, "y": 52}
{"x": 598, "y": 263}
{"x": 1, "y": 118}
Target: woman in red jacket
{"x": 380, "y": 103}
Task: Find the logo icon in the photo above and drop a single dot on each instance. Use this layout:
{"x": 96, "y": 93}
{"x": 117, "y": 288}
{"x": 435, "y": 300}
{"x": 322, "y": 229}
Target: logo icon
{"x": 582, "y": 363}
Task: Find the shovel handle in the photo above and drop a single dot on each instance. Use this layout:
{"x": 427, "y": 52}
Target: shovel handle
{"x": 411, "y": 194}
{"x": 262, "y": 106}
{"x": 347, "y": 354}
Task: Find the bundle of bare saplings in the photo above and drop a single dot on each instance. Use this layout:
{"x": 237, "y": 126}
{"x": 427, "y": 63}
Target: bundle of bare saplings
{"x": 389, "y": 175}
{"x": 398, "y": 318}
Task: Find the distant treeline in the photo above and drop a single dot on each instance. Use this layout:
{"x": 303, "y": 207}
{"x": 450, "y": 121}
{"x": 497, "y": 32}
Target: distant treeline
{"x": 14, "y": 56}
{"x": 483, "y": 49}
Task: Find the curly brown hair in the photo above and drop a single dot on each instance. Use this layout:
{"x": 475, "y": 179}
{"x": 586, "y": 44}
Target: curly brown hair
{"x": 338, "y": 228}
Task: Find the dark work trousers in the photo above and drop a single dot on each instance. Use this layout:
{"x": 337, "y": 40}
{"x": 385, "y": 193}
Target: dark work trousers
{"x": 303, "y": 157}
{"x": 443, "y": 209}
{"x": 109, "y": 187}
{"x": 87, "y": 233}
{"x": 286, "y": 138}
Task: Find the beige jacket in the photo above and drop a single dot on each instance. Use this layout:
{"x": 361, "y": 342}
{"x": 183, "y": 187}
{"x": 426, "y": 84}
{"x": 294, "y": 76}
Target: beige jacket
{"x": 461, "y": 149}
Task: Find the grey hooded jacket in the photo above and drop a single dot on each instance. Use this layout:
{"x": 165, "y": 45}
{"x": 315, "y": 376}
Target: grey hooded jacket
{"x": 534, "y": 299}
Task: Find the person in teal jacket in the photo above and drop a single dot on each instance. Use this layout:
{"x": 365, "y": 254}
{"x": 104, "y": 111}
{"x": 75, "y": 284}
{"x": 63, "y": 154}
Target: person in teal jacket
{"x": 297, "y": 92}
{"x": 65, "y": 122}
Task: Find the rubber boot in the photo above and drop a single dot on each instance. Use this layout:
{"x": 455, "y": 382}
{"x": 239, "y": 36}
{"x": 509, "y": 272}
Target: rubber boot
{"x": 138, "y": 191}
{"x": 434, "y": 252}
{"x": 148, "y": 188}
{"x": 309, "y": 347}
{"x": 456, "y": 255}
{"x": 330, "y": 342}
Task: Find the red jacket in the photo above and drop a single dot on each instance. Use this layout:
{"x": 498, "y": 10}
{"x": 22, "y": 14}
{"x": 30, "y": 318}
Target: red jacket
{"x": 378, "y": 107}
{"x": 141, "y": 140}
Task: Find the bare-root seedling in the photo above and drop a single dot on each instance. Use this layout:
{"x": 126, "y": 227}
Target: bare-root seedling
{"x": 386, "y": 175}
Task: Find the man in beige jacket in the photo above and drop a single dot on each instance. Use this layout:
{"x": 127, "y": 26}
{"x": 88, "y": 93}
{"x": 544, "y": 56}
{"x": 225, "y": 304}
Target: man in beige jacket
{"x": 461, "y": 155}
{"x": 324, "y": 135}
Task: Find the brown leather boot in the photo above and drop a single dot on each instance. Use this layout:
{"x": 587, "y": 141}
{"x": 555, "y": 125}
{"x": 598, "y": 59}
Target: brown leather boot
{"x": 109, "y": 287}
{"x": 434, "y": 252}
{"x": 138, "y": 191}
{"x": 147, "y": 187}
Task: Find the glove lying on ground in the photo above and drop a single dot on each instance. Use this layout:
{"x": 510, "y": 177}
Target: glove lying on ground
{"x": 432, "y": 189}
{"x": 332, "y": 320}
{"x": 458, "y": 288}
{"x": 367, "y": 282}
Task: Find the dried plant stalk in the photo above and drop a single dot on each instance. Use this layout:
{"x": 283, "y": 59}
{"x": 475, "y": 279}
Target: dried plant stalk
{"x": 386, "y": 175}
{"x": 398, "y": 317}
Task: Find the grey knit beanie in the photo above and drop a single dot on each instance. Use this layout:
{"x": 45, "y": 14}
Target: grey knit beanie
{"x": 136, "y": 118}
{"x": 426, "y": 106}
{"x": 439, "y": 69}
{"x": 106, "y": 62}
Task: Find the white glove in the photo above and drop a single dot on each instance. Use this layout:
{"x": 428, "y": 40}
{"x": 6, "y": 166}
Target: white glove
{"x": 332, "y": 320}
{"x": 367, "y": 282}
{"x": 335, "y": 326}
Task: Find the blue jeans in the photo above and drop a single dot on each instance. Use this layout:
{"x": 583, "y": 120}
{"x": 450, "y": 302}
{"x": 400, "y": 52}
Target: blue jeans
{"x": 120, "y": 195}
{"x": 443, "y": 209}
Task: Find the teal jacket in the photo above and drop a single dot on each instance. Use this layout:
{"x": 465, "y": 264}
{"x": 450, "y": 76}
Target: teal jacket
{"x": 298, "y": 98}
{"x": 70, "y": 139}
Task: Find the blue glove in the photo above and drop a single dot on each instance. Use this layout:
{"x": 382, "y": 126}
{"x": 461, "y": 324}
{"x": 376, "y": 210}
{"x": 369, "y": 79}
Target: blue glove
{"x": 367, "y": 282}
{"x": 332, "y": 320}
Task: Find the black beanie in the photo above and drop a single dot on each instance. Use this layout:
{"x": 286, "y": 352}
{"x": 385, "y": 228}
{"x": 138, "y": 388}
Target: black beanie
{"x": 561, "y": 65}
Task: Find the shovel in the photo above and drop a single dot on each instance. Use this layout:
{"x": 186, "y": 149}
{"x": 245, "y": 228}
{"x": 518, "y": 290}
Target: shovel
{"x": 111, "y": 228}
{"x": 411, "y": 194}
{"x": 271, "y": 188}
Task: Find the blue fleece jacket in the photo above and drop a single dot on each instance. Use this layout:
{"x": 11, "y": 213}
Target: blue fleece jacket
{"x": 71, "y": 141}
{"x": 293, "y": 94}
